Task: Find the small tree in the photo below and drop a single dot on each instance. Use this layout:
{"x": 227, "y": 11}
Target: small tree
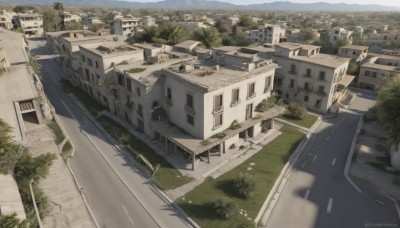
{"x": 12, "y": 221}
{"x": 244, "y": 185}
{"x": 297, "y": 110}
{"x": 224, "y": 208}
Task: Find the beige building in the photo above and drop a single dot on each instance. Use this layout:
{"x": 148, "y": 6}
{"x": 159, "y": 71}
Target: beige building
{"x": 340, "y": 34}
{"x": 358, "y": 53}
{"x": 90, "y": 21}
{"x": 266, "y": 34}
{"x": 67, "y": 17}
{"x": 31, "y": 24}
{"x": 305, "y": 75}
{"x": 147, "y": 21}
{"x": 6, "y": 19}
{"x": 126, "y": 26}
{"x": 376, "y": 69}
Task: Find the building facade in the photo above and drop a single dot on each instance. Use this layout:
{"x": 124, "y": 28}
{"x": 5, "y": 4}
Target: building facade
{"x": 31, "y": 24}
{"x": 340, "y": 34}
{"x": 126, "y": 26}
{"x": 358, "y": 53}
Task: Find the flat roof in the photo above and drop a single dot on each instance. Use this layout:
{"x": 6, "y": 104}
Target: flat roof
{"x": 289, "y": 45}
{"x": 227, "y": 48}
{"x": 382, "y": 67}
{"x": 355, "y": 47}
{"x": 17, "y": 83}
{"x": 332, "y": 61}
{"x": 186, "y": 44}
{"x": 222, "y": 77}
{"x": 112, "y": 48}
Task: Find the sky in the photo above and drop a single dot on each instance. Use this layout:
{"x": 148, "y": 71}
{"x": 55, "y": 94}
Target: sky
{"x": 363, "y": 2}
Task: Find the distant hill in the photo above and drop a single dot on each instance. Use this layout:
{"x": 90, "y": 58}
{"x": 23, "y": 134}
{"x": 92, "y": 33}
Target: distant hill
{"x": 208, "y": 4}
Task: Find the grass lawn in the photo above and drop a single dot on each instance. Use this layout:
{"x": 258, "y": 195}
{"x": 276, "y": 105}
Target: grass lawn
{"x": 92, "y": 105}
{"x": 167, "y": 177}
{"x": 268, "y": 165}
{"x": 59, "y": 136}
{"x": 306, "y": 122}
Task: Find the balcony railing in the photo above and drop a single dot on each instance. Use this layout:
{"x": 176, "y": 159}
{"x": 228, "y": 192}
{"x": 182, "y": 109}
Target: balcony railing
{"x": 235, "y": 102}
{"x": 218, "y": 109}
{"x": 251, "y": 95}
{"x": 266, "y": 89}
{"x": 189, "y": 110}
{"x": 307, "y": 89}
{"x": 307, "y": 76}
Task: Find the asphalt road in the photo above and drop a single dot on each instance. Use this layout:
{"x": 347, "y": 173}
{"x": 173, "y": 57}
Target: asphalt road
{"x": 117, "y": 193}
{"x": 317, "y": 193}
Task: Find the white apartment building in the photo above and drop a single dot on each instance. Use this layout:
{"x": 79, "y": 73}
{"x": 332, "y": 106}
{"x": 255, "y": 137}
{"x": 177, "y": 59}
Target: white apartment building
{"x": 356, "y": 52}
{"x": 126, "y": 26}
{"x": 6, "y": 19}
{"x": 67, "y": 17}
{"x": 376, "y": 69}
{"x": 270, "y": 34}
{"x": 31, "y": 24}
{"x": 340, "y": 34}
{"x": 253, "y": 36}
{"x": 383, "y": 39}
{"x": 305, "y": 75}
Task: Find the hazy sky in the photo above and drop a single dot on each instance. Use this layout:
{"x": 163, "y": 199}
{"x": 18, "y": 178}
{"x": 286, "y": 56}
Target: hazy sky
{"x": 241, "y": 2}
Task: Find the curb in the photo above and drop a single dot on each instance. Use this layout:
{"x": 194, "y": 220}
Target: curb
{"x": 273, "y": 196}
{"x": 350, "y": 156}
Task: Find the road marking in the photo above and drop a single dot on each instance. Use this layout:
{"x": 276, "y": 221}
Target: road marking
{"x": 315, "y": 157}
{"x": 327, "y": 138}
{"x": 69, "y": 111}
{"x": 128, "y": 215}
{"x": 380, "y": 202}
{"x": 304, "y": 164}
{"x": 333, "y": 162}
{"x": 307, "y": 193}
{"x": 329, "y": 208}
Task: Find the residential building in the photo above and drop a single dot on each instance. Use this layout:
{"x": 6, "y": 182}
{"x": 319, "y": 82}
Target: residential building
{"x": 187, "y": 17}
{"x": 189, "y": 25}
{"x": 271, "y": 34}
{"x": 90, "y": 21}
{"x": 187, "y": 46}
{"x": 390, "y": 52}
{"x": 381, "y": 40}
{"x": 376, "y": 69}
{"x": 317, "y": 80}
{"x": 126, "y": 26}
{"x": 147, "y": 21}
{"x": 67, "y": 17}
{"x": 31, "y": 24}
{"x": 253, "y": 36}
{"x": 111, "y": 16}
{"x": 338, "y": 33}
{"x": 6, "y": 19}
{"x": 359, "y": 30}
{"x": 232, "y": 20}
{"x": 358, "y": 53}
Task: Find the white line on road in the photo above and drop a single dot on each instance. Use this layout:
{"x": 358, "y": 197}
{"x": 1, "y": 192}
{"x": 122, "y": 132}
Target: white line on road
{"x": 307, "y": 193}
{"x": 304, "y": 164}
{"x": 69, "y": 111}
{"x": 315, "y": 157}
{"x": 329, "y": 208}
{"x": 333, "y": 161}
{"x": 128, "y": 215}
{"x": 327, "y": 138}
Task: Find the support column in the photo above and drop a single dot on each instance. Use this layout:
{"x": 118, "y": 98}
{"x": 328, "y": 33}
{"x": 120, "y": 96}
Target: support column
{"x": 193, "y": 159}
{"x": 208, "y": 155}
{"x": 272, "y": 123}
{"x": 220, "y": 149}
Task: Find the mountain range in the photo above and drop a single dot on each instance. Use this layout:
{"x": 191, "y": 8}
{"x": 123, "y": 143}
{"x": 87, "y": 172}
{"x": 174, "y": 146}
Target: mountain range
{"x": 208, "y": 4}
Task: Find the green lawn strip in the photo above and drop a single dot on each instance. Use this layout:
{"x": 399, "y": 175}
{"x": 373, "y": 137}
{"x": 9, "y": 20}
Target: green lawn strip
{"x": 307, "y": 121}
{"x": 268, "y": 165}
{"x": 91, "y": 104}
{"x": 59, "y": 136}
{"x": 167, "y": 177}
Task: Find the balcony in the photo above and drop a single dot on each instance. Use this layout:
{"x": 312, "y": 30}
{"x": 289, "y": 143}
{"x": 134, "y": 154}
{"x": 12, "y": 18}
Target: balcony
{"x": 307, "y": 76}
{"x": 251, "y": 95}
{"x": 267, "y": 89}
{"x": 235, "y": 102}
{"x": 321, "y": 93}
{"x": 189, "y": 110}
{"x": 306, "y": 90}
{"x": 292, "y": 72}
{"x": 218, "y": 109}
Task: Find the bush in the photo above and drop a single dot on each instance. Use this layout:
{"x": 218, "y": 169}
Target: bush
{"x": 220, "y": 135}
{"x": 224, "y": 208}
{"x": 268, "y": 103}
{"x": 235, "y": 125}
{"x": 297, "y": 110}
{"x": 244, "y": 186}
{"x": 241, "y": 147}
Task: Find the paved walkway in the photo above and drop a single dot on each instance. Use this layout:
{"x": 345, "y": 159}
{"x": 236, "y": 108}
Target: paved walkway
{"x": 67, "y": 208}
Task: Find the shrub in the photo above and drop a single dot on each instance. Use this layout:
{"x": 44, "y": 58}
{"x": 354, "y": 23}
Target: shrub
{"x": 297, "y": 110}
{"x": 241, "y": 147}
{"x": 220, "y": 135}
{"x": 224, "y": 208}
{"x": 235, "y": 125}
{"x": 244, "y": 185}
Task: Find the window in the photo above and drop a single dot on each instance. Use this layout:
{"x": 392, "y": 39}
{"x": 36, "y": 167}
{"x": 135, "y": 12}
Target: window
{"x": 291, "y": 85}
{"x": 97, "y": 65}
{"x": 306, "y": 98}
{"x": 321, "y": 89}
{"x": 129, "y": 85}
{"x": 89, "y": 61}
{"x": 218, "y": 120}
{"x": 189, "y": 100}
{"x": 235, "y": 96}
{"x": 279, "y": 82}
{"x": 249, "y": 111}
{"x": 140, "y": 110}
{"x": 218, "y": 101}
{"x": 322, "y": 75}
{"x": 308, "y": 73}
{"x": 293, "y": 69}
{"x": 306, "y": 86}
{"x": 83, "y": 58}
{"x": 169, "y": 94}
{"x": 190, "y": 119}
{"x": 267, "y": 83}
{"x": 138, "y": 91}
{"x": 121, "y": 79}
{"x": 251, "y": 90}
{"x": 87, "y": 74}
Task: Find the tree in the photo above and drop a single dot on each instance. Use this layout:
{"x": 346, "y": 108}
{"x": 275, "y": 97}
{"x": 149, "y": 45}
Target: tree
{"x": 58, "y": 6}
{"x": 247, "y": 22}
{"x": 297, "y": 110}
{"x": 307, "y": 35}
{"x": 244, "y": 185}
{"x": 354, "y": 68}
{"x": 388, "y": 106}
{"x": 208, "y": 36}
{"x": 23, "y": 9}
{"x": 147, "y": 34}
{"x": 8, "y": 149}
{"x": 51, "y": 20}
{"x": 173, "y": 33}
{"x": 223, "y": 27}
{"x": 73, "y": 25}
{"x": 29, "y": 168}
{"x": 12, "y": 221}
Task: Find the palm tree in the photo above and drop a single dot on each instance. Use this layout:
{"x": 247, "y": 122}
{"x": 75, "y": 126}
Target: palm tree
{"x": 147, "y": 34}
{"x": 8, "y": 148}
{"x": 208, "y": 36}
{"x": 173, "y": 33}
{"x": 58, "y": 6}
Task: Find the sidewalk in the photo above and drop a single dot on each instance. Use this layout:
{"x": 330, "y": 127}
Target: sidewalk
{"x": 67, "y": 208}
